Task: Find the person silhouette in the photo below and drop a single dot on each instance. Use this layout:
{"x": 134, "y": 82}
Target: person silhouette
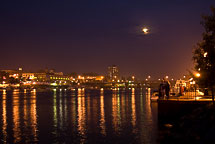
{"x": 161, "y": 89}
{"x": 167, "y": 88}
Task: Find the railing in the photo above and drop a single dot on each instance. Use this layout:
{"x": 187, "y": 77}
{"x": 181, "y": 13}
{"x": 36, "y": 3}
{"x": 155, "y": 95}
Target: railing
{"x": 193, "y": 94}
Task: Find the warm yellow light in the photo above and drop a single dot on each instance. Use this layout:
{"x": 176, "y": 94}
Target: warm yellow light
{"x": 198, "y": 74}
{"x": 205, "y": 54}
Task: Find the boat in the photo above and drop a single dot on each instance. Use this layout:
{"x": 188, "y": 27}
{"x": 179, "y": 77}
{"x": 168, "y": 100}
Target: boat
{"x": 155, "y": 96}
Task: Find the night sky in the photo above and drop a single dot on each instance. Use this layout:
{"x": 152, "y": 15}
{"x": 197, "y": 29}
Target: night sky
{"x": 88, "y": 36}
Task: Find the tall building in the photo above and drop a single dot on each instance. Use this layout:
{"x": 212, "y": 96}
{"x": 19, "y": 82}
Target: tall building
{"x": 113, "y": 73}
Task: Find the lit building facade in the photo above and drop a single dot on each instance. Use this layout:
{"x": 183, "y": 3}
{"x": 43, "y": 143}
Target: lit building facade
{"x": 113, "y": 73}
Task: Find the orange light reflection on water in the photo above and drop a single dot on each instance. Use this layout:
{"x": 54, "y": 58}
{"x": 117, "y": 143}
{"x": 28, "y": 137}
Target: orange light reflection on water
{"x": 148, "y": 104}
{"x": 116, "y": 111}
{"x": 102, "y": 111}
{"x": 133, "y": 108}
{"x": 33, "y": 115}
{"x": 16, "y": 117}
{"x": 4, "y": 117}
{"x": 81, "y": 114}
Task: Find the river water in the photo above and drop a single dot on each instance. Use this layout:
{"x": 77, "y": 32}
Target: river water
{"x": 79, "y": 116}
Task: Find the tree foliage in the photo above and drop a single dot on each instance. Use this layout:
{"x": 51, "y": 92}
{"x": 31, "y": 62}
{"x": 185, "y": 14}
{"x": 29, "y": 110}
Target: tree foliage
{"x": 204, "y": 52}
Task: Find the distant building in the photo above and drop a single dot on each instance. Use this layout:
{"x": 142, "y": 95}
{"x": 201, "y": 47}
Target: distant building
{"x": 45, "y": 76}
{"x": 12, "y": 73}
{"x": 28, "y": 75}
{"x": 113, "y": 73}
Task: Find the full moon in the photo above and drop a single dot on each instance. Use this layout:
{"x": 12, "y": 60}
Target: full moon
{"x": 145, "y": 30}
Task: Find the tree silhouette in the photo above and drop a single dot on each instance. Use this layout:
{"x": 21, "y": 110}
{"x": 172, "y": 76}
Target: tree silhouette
{"x": 204, "y": 53}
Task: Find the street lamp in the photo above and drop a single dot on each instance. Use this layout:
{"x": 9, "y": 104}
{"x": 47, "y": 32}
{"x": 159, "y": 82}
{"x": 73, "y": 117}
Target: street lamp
{"x": 197, "y": 75}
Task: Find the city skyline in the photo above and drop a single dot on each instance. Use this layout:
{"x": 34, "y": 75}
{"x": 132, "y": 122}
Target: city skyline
{"x": 112, "y": 73}
{"x": 88, "y": 37}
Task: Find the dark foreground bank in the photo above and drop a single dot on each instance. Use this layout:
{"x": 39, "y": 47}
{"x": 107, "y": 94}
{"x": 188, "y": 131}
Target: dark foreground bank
{"x": 195, "y": 127}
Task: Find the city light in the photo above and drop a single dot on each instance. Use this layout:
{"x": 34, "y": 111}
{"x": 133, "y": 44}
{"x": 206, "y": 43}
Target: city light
{"x": 198, "y": 74}
{"x": 107, "y": 72}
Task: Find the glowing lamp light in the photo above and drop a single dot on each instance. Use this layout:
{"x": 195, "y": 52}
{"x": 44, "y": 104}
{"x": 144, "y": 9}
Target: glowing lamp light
{"x": 198, "y": 74}
{"x": 205, "y": 54}
{"x": 54, "y": 84}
